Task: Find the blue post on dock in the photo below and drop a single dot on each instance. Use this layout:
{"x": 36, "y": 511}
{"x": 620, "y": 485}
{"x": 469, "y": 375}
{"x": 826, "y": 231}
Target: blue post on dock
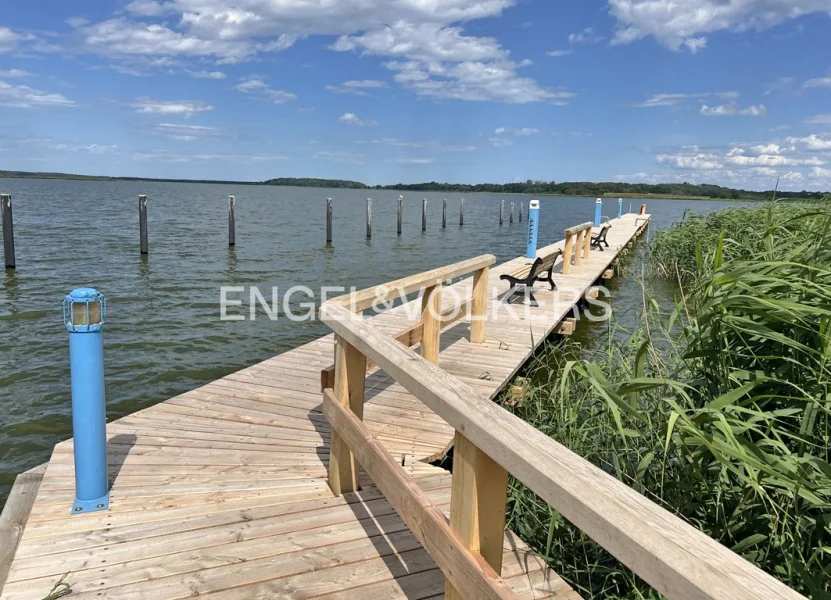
{"x": 630, "y": 207}
{"x": 533, "y": 228}
{"x": 598, "y": 212}
{"x": 619, "y": 207}
{"x": 84, "y": 312}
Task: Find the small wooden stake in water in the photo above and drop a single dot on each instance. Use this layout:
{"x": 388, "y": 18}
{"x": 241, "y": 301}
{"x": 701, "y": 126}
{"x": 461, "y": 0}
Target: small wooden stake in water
{"x": 462, "y": 212}
{"x": 328, "y": 221}
{"x": 424, "y": 215}
{"x": 368, "y": 218}
{"x": 143, "y": 224}
{"x": 8, "y": 230}
{"x": 521, "y": 208}
{"x": 501, "y": 212}
{"x": 400, "y": 212}
{"x": 232, "y": 221}
{"x": 512, "y": 211}
{"x": 444, "y": 214}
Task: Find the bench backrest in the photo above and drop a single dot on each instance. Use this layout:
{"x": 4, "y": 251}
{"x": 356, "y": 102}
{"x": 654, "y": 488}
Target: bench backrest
{"x": 603, "y": 231}
{"x": 549, "y": 260}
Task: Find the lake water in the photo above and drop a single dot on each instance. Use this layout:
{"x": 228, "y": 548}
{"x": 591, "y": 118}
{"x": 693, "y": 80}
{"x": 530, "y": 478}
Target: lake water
{"x": 164, "y": 335}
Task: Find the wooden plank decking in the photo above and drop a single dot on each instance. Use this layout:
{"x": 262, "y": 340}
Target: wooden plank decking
{"x": 222, "y": 491}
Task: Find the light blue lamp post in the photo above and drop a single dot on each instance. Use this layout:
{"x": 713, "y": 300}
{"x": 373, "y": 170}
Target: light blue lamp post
{"x": 533, "y": 228}
{"x": 84, "y": 312}
{"x": 598, "y": 212}
{"x": 619, "y": 207}
{"x": 630, "y": 207}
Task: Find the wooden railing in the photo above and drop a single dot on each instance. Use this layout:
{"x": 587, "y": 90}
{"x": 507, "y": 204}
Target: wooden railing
{"x": 578, "y": 243}
{"x": 678, "y": 560}
{"x": 432, "y": 319}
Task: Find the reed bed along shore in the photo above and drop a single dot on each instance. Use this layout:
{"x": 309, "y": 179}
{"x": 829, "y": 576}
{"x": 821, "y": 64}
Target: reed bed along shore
{"x": 716, "y": 407}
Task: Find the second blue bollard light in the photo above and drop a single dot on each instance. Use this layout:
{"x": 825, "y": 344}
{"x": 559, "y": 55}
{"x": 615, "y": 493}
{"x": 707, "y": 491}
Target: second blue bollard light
{"x": 533, "y": 228}
{"x": 84, "y": 315}
{"x": 619, "y": 207}
{"x": 598, "y": 212}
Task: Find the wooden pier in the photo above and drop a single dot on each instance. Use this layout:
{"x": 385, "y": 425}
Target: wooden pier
{"x": 224, "y": 491}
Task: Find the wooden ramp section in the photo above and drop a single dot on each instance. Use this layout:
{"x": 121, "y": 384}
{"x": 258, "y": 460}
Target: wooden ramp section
{"x": 222, "y": 492}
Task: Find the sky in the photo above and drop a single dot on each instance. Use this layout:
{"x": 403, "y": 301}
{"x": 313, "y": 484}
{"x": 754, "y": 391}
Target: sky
{"x": 732, "y": 92}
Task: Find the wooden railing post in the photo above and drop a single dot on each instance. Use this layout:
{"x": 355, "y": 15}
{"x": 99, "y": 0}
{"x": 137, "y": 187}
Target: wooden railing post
{"x": 350, "y": 382}
{"x": 587, "y": 243}
{"x": 479, "y": 305}
{"x": 478, "y": 497}
{"x": 567, "y": 253}
{"x": 431, "y": 320}
{"x": 578, "y": 251}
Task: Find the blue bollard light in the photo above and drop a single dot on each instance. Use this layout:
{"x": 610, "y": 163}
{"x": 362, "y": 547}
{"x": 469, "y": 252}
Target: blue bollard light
{"x": 619, "y": 207}
{"x": 533, "y": 228}
{"x": 84, "y": 312}
{"x": 598, "y": 212}
{"x": 630, "y": 208}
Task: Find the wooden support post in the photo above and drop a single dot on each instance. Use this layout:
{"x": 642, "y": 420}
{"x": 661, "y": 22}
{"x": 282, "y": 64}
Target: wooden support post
{"x": 478, "y": 310}
{"x": 608, "y": 274}
{"x": 431, "y": 319}
{"x": 8, "y": 230}
{"x": 424, "y": 215}
{"x": 400, "y": 212}
{"x": 368, "y": 218}
{"x": 501, "y": 212}
{"x": 444, "y": 214}
{"x": 578, "y": 250}
{"x": 461, "y": 212}
{"x": 232, "y": 221}
{"x": 350, "y": 382}
{"x": 512, "y": 213}
{"x": 521, "y": 209}
{"x": 587, "y": 243}
{"x": 143, "y": 224}
{"x": 566, "y": 327}
{"x": 567, "y": 253}
{"x": 478, "y": 497}
{"x": 328, "y": 221}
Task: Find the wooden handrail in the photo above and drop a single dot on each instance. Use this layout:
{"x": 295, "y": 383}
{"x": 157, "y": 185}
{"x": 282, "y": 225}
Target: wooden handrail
{"x": 583, "y": 236}
{"x": 676, "y": 559}
{"x": 468, "y": 572}
{"x": 578, "y": 228}
{"x": 364, "y": 299}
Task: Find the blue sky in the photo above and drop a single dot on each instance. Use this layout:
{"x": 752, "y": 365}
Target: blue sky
{"x": 735, "y": 92}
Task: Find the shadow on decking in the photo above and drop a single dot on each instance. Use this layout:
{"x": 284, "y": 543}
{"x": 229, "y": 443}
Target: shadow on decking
{"x": 123, "y": 443}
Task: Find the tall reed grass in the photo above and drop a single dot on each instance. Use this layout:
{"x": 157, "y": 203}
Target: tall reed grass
{"x": 718, "y": 408}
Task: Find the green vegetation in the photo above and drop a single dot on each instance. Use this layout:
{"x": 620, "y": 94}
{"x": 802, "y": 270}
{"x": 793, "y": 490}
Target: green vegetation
{"x": 538, "y": 188}
{"x": 719, "y": 410}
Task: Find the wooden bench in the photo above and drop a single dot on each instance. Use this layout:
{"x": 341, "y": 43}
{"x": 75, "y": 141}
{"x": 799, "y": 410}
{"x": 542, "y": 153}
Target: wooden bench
{"x": 522, "y": 282}
{"x": 599, "y": 240}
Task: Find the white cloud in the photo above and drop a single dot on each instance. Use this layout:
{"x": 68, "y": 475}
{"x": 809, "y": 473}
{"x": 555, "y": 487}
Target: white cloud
{"x": 514, "y": 131}
{"x": 690, "y": 158}
{"x": 820, "y": 119}
{"x": 14, "y": 74}
{"x": 559, "y": 53}
{"x": 500, "y": 142}
{"x": 739, "y": 159}
{"x": 680, "y": 24}
{"x": 203, "y": 74}
{"x": 353, "y": 119}
{"x": 587, "y": 36}
{"x": 341, "y": 157}
{"x": 256, "y": 86}
{"x": 357, "y": 88}
{"x": 658, "y": 100}
{"x": 813, "y": 142}
{"x": 732, "y": 109}
{"x": 819, "y": 82}
{"x": 8, "y": 39}
{"x": 425, "y": 144}
{"x": 412, "y": 161}
{"x": 22, "y": 96}
{"x": 177, "y": 131}
{"x": 184, "y": 108}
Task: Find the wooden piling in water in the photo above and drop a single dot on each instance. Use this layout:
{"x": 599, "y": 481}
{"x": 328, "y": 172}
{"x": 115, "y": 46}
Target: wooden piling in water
{"x": 8, "y": 230}
{"x": 232, "y": 221}
{"x": 521, "y": 208}
{"x": 501, "y": 212}
{"x": 424, "y": 215}
{"x": 143, "y": 246}
{"x": 400, "y": 212}
{"x": 368, "y": 218}
{"x": 444, "y": 214}
{"x": 328, "y": 221}
{"x": 461, "y": 212}
{"x": 512, "y": 212}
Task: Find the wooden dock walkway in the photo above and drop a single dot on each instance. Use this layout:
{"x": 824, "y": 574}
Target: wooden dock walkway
{"x": 222, "y": 492}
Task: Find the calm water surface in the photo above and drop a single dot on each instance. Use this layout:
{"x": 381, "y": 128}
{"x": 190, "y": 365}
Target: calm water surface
{"x": 164, "y": 335}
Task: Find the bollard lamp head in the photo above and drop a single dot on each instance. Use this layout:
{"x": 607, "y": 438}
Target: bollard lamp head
{"x": 84, "y": 311}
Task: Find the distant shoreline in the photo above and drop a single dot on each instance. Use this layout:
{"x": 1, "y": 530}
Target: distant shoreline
{"x": 535, "y": 188}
